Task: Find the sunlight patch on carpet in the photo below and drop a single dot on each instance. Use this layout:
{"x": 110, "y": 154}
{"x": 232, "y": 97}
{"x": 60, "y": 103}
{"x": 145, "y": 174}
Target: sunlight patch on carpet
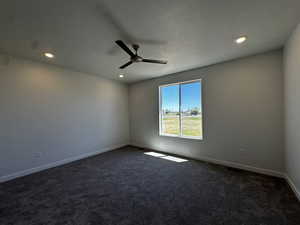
{"x": 167, "y": 157}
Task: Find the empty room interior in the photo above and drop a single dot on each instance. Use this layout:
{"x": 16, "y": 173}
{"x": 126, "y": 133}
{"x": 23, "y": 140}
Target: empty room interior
{"x": 150, "y": 112}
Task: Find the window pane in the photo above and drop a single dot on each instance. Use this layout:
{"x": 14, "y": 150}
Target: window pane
{"x": 170, "y": 110}
{"x": 191, "y": 120}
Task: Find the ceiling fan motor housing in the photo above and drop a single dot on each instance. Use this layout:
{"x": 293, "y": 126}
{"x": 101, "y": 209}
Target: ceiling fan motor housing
{"x": 136, "y": 58}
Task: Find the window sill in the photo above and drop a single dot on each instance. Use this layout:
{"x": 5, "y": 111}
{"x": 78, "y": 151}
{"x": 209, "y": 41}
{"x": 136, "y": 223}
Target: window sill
{"x": 184, "y": 137}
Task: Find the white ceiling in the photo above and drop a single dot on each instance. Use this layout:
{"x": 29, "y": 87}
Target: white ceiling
{"x": 188, "y": 33}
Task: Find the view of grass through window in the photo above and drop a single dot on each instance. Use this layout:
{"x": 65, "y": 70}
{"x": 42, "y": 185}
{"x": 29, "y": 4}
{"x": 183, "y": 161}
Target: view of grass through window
{"x": 180, "y": 109}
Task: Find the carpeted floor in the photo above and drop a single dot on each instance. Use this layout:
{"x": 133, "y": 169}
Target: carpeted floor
{"x": 125, "y": 187}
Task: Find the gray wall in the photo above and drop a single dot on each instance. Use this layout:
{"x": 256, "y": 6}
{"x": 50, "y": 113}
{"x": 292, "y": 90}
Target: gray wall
{"x": 50, "y": 114}
{"x": 243, "y": 113}
{"x": 292, "y": 106}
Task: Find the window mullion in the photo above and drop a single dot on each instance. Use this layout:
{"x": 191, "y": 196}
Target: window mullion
{"x": 180, "y": 125}
{"x": 160, "y": 111}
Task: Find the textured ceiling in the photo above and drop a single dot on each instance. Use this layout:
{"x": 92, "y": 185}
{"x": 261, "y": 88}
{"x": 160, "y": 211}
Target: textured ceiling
{"x": 189, "y": 33}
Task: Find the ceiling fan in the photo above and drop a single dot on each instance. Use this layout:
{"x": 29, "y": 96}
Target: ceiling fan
{"x": 134, "y": 57}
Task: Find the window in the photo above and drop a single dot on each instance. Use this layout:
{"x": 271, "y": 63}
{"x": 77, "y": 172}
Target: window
{"x": 181, "y": 110}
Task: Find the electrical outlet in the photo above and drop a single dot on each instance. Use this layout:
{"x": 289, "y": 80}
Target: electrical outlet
{"x": 38, "y": 155}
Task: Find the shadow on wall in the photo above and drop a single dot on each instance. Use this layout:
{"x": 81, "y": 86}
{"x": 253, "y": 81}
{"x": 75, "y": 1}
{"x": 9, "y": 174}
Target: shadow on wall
{"x": 123, "y": 34}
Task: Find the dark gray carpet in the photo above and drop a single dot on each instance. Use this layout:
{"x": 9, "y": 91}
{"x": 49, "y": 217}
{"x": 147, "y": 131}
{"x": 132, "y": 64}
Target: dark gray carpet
{"x": 125, "y": 187}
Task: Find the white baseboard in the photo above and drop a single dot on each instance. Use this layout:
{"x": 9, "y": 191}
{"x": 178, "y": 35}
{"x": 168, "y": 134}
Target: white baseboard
{"x": 57, "y": 163}
{"x": 243, "y": 167}
{"x": 293, "y": 186}
{"x": 230, "y": 164}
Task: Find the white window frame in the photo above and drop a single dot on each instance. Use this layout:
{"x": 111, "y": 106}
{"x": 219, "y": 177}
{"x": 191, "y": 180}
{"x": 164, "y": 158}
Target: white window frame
{"x": 180, "y": 113}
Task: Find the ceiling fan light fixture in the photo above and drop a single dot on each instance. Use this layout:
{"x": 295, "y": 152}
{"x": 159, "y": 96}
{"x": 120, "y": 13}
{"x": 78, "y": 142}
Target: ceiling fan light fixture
{"x": 121, "y": 76}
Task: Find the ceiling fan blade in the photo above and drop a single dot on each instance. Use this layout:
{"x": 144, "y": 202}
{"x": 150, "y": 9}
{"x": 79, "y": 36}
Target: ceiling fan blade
{"x": 125, "y": 65}
{"x": 124, "y": 47}
{"x": 155, "y": 61}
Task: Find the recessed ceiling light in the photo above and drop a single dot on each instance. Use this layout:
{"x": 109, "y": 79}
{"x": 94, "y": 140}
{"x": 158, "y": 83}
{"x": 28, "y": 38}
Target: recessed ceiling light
{"x": 49, "y": 55}
{"x": 121, "y": 75}
{"x": 241, "y": 39}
